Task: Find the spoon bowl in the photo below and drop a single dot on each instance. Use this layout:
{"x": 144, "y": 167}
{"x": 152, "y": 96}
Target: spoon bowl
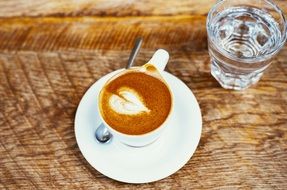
{"x": 102, "y": 134}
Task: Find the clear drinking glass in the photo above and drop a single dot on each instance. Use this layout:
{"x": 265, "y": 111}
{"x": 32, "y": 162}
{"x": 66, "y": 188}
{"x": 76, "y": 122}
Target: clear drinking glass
{"x": 243, "y": 37}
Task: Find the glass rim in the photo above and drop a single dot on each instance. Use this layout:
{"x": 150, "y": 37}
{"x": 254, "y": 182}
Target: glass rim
{"x": 263, "y": 57}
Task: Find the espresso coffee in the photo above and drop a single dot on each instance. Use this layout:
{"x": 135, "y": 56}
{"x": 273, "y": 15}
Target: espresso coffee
{"x": 135, "y": 102}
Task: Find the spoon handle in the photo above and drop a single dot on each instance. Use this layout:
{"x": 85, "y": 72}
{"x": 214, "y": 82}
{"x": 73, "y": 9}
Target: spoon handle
{"x": 134, "y": 52}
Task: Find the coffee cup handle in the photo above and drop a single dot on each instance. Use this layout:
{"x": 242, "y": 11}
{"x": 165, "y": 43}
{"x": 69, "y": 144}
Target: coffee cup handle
{"x": 159, "y": 59}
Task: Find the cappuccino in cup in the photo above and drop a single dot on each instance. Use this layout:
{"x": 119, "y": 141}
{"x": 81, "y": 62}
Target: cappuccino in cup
{"x": 136, "y": 103}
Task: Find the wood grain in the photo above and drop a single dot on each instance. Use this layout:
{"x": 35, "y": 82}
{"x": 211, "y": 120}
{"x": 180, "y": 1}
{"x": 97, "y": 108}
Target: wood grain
{"x": 243, "y": 139}
{"x": 50, "y": 57}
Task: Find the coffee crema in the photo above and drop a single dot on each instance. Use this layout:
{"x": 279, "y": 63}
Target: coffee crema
{"x": 135, "y": 102}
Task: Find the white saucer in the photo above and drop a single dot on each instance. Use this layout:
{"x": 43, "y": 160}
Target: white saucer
{"x": 141, "y": 165}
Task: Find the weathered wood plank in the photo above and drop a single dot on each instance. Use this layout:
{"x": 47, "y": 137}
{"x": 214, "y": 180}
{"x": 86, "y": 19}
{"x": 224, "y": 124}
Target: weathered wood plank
{"x": 243, "y": 144}
{"x": 102, "y": 33}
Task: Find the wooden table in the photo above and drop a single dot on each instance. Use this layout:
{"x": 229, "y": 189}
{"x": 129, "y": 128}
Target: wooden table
{"x": 52, "y": 51}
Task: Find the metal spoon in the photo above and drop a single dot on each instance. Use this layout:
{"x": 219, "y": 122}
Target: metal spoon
{"x": 102, "y": 133}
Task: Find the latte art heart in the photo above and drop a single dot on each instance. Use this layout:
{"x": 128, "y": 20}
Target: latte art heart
{"x": 127, "y": 102}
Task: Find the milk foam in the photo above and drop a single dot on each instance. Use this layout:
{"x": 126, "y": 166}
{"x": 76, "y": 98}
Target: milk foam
{"x": 127, "y": 102}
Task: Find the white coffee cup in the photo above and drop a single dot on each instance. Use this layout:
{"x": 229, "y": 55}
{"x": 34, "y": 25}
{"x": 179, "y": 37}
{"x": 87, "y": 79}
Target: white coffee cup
{"x": 159, "y": 60}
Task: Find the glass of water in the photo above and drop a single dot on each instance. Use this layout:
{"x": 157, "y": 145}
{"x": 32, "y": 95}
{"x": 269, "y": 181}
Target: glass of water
{"x": 243, "y": 37}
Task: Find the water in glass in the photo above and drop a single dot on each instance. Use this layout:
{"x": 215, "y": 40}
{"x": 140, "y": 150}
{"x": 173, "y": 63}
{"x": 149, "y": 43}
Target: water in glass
{"x": 242, "y": 42}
